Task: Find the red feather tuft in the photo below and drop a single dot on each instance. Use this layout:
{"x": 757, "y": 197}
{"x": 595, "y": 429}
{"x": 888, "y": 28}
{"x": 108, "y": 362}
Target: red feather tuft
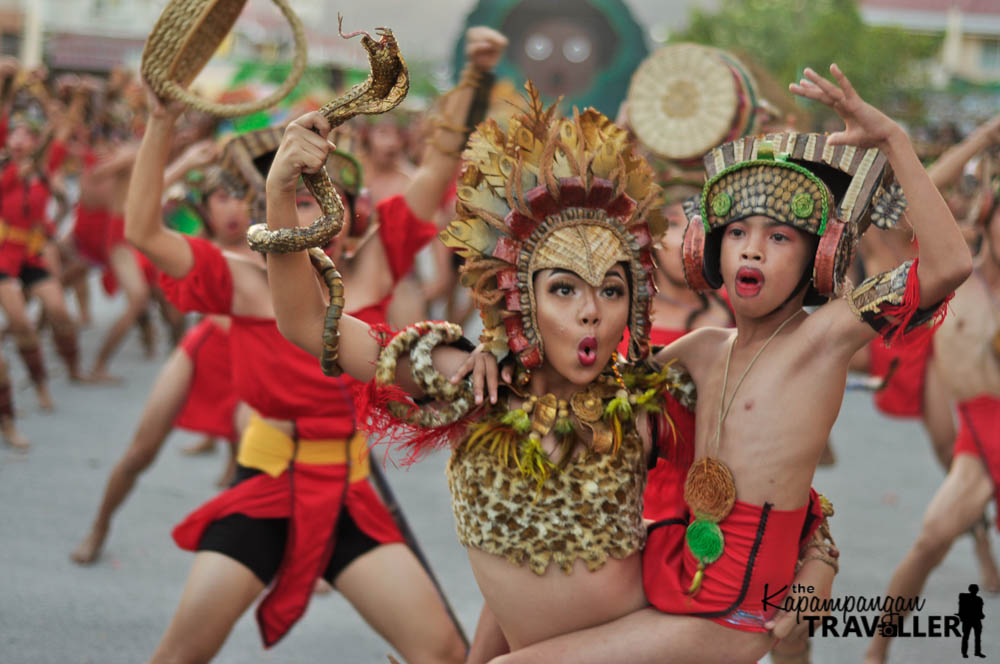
{"x": 902, "y": 314}
{"x": 415, "y": 442}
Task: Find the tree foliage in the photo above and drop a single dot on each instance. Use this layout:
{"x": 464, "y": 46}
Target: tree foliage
{"x": 786, "y": 36}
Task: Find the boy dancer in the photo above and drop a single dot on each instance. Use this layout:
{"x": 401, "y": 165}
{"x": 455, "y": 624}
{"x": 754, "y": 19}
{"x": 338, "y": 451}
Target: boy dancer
{"x": 967, "y": 355}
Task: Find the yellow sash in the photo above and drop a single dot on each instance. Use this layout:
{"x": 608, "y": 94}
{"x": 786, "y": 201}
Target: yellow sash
{"x": 32, "y": 238}
{"x": 270, "y": 449}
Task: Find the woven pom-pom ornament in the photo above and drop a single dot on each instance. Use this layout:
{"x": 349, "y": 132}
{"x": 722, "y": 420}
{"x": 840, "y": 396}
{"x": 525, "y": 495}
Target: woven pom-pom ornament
{"x": 710, "y": 490}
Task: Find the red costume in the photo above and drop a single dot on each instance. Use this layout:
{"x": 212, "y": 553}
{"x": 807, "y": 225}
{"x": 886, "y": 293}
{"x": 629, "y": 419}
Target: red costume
{"x": 903, "y": 394}
{"x": 96, "y": 232}
{"x": 762, "y": 544}
{"x": 664, "y": 487}
{"x": 25, "y": 228}
{"x": 211, "y": 400}
{"x": 89, "y": 231}
{"x": 281, "y": 381}
{"x": 979, "y": 435}
{"x": 662, "y": 336}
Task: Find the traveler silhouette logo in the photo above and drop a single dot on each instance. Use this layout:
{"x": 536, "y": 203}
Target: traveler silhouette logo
{"x": 970, "y": 612}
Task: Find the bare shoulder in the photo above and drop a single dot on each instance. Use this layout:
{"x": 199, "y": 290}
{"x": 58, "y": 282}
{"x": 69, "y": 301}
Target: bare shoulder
{"x": 695, "y": 347}
{"x": 834, "y": 326}
{"x": 243, "y": 267}
{"x": 250, "y": 288}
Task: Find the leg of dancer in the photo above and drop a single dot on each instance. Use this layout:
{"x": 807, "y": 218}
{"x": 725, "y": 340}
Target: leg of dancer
{"x": 28, "y": 345}
{"x": 50, "y": 292}
{"x": 8, "y": 430}
{"x": 164, "y": 402}
{"x": 954, "y": 509}
{"x": 127, "y": 271}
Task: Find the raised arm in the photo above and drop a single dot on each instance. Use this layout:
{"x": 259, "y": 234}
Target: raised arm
{"x": 143, "y": 216}
{"x": 949, "y": 165}
{"x": 299, "y": 304}
{"x": 483, "y": 49}
{"x": 121, "y": 158}
{"x": 9, "y": 66}
{"x": 197, "y": 155}
{"x": 298, "y": 298}
{"x": 70, "y": 117}
{"x": 944, "y": 259}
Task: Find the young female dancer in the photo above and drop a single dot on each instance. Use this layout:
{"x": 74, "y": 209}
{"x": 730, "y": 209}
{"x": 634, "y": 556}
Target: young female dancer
{"x": 328, "y": 521}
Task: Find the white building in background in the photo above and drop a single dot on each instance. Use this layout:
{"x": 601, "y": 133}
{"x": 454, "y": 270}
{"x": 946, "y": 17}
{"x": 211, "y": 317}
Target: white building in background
{"x": 97, "y": 35}
{"x": 971, "y": 29}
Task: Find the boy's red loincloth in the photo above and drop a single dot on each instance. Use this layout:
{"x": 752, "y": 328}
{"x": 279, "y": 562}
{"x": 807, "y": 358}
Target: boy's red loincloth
{"x": 90, "y": 232}
{"x": 762, "y": 547}
{"x": 979, "y": 435}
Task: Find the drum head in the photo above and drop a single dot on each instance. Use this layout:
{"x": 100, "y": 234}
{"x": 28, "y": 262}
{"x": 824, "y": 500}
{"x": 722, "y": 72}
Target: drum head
{"x": 683, "y": 101}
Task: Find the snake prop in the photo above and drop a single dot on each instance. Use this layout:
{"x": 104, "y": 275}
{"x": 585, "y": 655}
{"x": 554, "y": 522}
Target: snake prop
{"x": 382, "y": 91}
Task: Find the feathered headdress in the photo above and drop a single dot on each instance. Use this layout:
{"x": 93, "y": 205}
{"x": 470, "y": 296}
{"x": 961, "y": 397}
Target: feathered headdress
{"x": 552, "y": 192}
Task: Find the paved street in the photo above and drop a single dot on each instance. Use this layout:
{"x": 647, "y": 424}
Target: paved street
{"x": 53, "y": 611}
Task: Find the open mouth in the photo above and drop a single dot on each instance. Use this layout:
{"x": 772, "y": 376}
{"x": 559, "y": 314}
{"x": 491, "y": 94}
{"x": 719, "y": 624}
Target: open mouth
{"x": 586, "y": 352}
{"x": 749, "y": 281}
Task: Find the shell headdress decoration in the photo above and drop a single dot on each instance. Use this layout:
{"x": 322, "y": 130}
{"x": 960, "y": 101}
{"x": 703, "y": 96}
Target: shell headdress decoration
{"x": 552, "y": 192}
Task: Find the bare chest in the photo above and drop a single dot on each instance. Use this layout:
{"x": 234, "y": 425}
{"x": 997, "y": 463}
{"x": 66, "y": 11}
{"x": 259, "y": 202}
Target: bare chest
{"x": 964, "y": 351}
{"x": 771, "y": 430}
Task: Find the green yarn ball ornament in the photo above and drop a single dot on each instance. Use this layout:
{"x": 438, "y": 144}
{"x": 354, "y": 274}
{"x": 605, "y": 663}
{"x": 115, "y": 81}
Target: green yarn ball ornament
{"x": 802, "y": 205}
{"x": 705, "y": 540}
{"x": 721, "y": 204}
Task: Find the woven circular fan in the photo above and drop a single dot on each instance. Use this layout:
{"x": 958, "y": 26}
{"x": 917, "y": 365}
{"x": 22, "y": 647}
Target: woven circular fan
{"x": 183, "y": 40}
{"x": 683, "y": 101}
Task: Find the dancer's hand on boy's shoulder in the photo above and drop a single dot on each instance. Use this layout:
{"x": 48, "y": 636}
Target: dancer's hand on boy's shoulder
{"x": 304, "y": 149}
{"x": 866, "y": 125}
{"x": 484, "y": 47}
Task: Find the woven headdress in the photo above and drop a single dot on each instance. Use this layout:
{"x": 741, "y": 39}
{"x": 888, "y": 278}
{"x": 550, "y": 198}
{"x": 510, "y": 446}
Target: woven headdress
{"x": 799, "y": 180}
{"x": 246, "y": 160}
{"x": 552, "y": 192}
{"x": 28, "y": 108}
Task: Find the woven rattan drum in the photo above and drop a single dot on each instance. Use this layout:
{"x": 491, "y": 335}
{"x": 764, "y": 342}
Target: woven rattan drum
{"x": 186, "y": 35}
{"x": 685, "y": 99}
